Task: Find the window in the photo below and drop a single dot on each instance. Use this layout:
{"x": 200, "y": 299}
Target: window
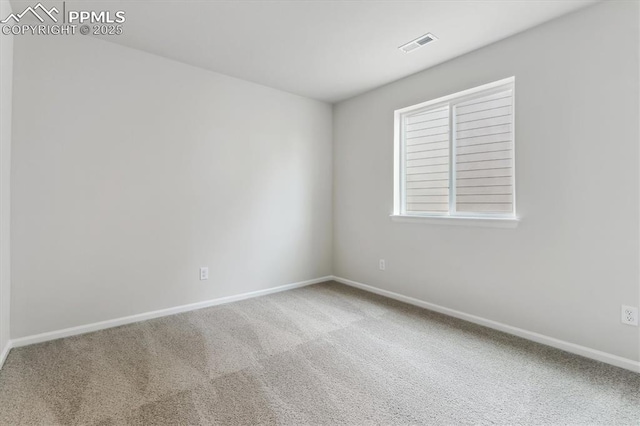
{"x": 454, "y": 156}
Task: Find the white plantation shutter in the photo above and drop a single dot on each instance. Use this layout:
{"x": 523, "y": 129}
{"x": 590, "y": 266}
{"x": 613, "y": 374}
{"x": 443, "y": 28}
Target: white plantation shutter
{"x": 484, "y": 154}
{"x": 426, "y": 161}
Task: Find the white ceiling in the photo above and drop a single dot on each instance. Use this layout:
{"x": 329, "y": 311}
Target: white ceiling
{"x": 327, "y": 50}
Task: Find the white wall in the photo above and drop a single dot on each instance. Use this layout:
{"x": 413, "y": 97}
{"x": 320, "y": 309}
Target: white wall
{"x": 565, "y": 271}
{"x": 6, "y": 71}
{"x": 131, "y": 171}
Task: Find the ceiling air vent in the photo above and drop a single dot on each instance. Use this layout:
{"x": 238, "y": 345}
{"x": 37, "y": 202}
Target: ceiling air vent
{"x": 419, "y": 42}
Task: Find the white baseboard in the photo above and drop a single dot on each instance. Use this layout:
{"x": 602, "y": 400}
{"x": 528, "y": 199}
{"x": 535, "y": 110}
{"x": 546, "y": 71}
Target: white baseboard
{"x": 5, "y": 353}
{"x": 82, "y": 329}
{"x": 529, "y": 335}
{"x": 536, "y": 337}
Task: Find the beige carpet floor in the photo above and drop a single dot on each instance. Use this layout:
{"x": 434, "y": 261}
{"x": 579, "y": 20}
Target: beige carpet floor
{"x": 324, "y": 354}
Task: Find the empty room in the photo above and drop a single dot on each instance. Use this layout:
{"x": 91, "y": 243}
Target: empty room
{"x": 319, "y": 212}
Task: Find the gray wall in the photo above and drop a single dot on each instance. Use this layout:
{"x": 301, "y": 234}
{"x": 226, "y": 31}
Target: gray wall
{"x": 565, "y": 271}
{"x": 6, "y": 70}
{"x": 131, "y": 171}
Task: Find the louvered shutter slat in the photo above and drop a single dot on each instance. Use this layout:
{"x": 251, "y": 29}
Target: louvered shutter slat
{"x": 426, "y": 161}
{"x": 484, "y": 154}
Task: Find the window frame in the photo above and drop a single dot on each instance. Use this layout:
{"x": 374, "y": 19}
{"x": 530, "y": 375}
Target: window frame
{"x": 451, "y": 102}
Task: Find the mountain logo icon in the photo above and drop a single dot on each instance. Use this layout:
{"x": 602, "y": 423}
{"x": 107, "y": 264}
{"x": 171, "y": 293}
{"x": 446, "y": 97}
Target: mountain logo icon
{"x": 34, "y": 11}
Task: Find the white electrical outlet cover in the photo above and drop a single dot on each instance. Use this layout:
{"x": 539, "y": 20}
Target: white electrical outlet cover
{"x": 204, "y": 274}
{"x": 629, "y": 315}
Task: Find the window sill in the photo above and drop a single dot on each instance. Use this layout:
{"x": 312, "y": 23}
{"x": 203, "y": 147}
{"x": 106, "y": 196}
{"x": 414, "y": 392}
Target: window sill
{"x": 488, "y": 222}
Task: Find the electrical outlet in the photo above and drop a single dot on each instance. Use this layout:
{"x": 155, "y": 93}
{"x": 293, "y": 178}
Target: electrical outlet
{"x": 204, "y": 273}
{"x": 629, "y": 315}
{"x": 382, "y": 265}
